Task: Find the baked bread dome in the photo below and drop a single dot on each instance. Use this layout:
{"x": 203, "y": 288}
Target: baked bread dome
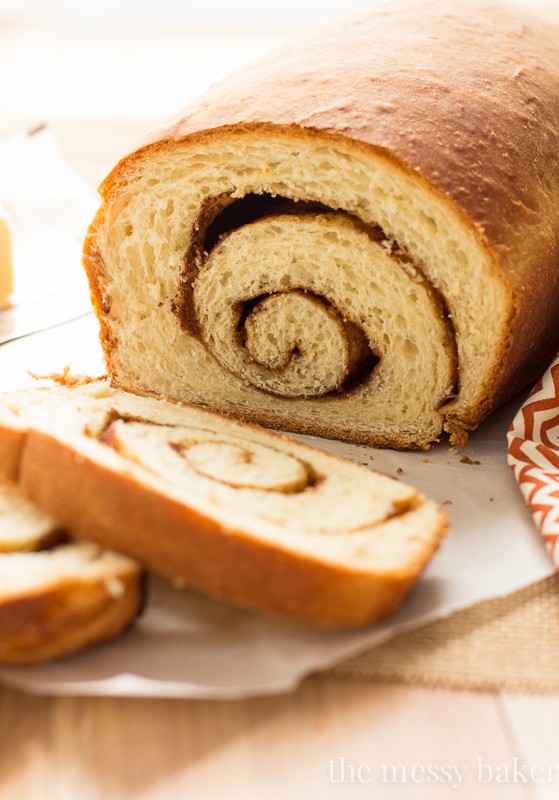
{"x": 356, "y": 238}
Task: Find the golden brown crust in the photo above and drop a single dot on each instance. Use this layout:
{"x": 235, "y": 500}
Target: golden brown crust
{"x": 114, "y": 509}
{"x": 92, "y": 263}
{"x": 11, "y": 448}
{"x": 60, "y": 620}
{"x": 474, "y": 110}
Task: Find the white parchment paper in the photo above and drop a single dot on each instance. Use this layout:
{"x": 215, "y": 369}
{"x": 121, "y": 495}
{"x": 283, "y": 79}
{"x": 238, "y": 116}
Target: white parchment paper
{"x": 186, "y": 645}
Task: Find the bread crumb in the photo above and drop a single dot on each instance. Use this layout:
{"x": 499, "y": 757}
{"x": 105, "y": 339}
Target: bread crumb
{"x": 466, "y": 460}
{"x": 446, "y": 503}
{"x": 490, "y": 499}
{"x": 115, "y": 587}
{"x": 64, "y": 378}
{"x": 425, "y": 461}
{"x": 399, "y": 471}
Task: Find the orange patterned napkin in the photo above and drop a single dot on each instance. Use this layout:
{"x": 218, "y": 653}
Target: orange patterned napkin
{"x": 534, "y": 456}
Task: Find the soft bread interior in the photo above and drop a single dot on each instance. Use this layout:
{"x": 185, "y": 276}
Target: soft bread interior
{"x": 22, "y": 525}
{"x": 388, "y": 256}
{"x": 27, "y": 574}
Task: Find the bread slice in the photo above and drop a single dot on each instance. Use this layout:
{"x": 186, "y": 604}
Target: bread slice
{"x": 357, "y": 237}
{"x": 231, "y": 509}
{"x": 22, "y": 525}
{"x": 61, "y": 600}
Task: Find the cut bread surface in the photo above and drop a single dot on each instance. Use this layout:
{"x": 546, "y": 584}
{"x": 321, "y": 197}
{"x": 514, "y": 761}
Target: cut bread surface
{"x": 229, "y": 508}
{"x": 277, "y": 304}
{"x": 73, "y": 562}
{"x": 355, "y": 238}
{"x": 63, "y": 599}
{"x": 22, "y": 525}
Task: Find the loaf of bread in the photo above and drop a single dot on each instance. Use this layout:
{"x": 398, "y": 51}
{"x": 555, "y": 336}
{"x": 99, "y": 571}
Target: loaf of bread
{"x": 63, "y": 599}
{"x": 357, "y": 238}
{"x": 226, "y": 507}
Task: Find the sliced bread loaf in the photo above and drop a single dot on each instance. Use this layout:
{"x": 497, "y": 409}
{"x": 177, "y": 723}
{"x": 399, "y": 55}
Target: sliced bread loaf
{"x": 357, "y": 237}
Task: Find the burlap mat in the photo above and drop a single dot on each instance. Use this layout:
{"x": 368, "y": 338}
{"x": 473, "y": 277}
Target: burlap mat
{"x": 511, "y": 643}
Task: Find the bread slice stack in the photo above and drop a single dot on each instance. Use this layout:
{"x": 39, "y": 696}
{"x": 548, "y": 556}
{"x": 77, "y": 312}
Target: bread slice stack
{"x": 62, "y": 599}
{"x": 237, "y": 512}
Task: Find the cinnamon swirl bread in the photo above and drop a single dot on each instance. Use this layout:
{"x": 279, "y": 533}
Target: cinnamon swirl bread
{"x": 228, "y": 508}
{"x": 356, "y": 238}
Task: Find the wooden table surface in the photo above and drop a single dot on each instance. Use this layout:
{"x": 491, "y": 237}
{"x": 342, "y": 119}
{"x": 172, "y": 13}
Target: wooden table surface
{"x": 99, "y": 90}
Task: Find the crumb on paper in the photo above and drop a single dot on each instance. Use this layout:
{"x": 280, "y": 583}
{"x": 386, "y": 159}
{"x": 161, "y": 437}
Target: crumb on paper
{"x": 399, "y": 471}
{"x": 64, "y": 378}
{"x": 467, "y": 460}
{"x": 425, "y": 460}
{"x": 491, "y": 499}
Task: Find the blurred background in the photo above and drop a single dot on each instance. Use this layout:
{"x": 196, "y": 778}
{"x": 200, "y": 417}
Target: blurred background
{"x": 100, "y": 73}
{"x": 138, "y": 13}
